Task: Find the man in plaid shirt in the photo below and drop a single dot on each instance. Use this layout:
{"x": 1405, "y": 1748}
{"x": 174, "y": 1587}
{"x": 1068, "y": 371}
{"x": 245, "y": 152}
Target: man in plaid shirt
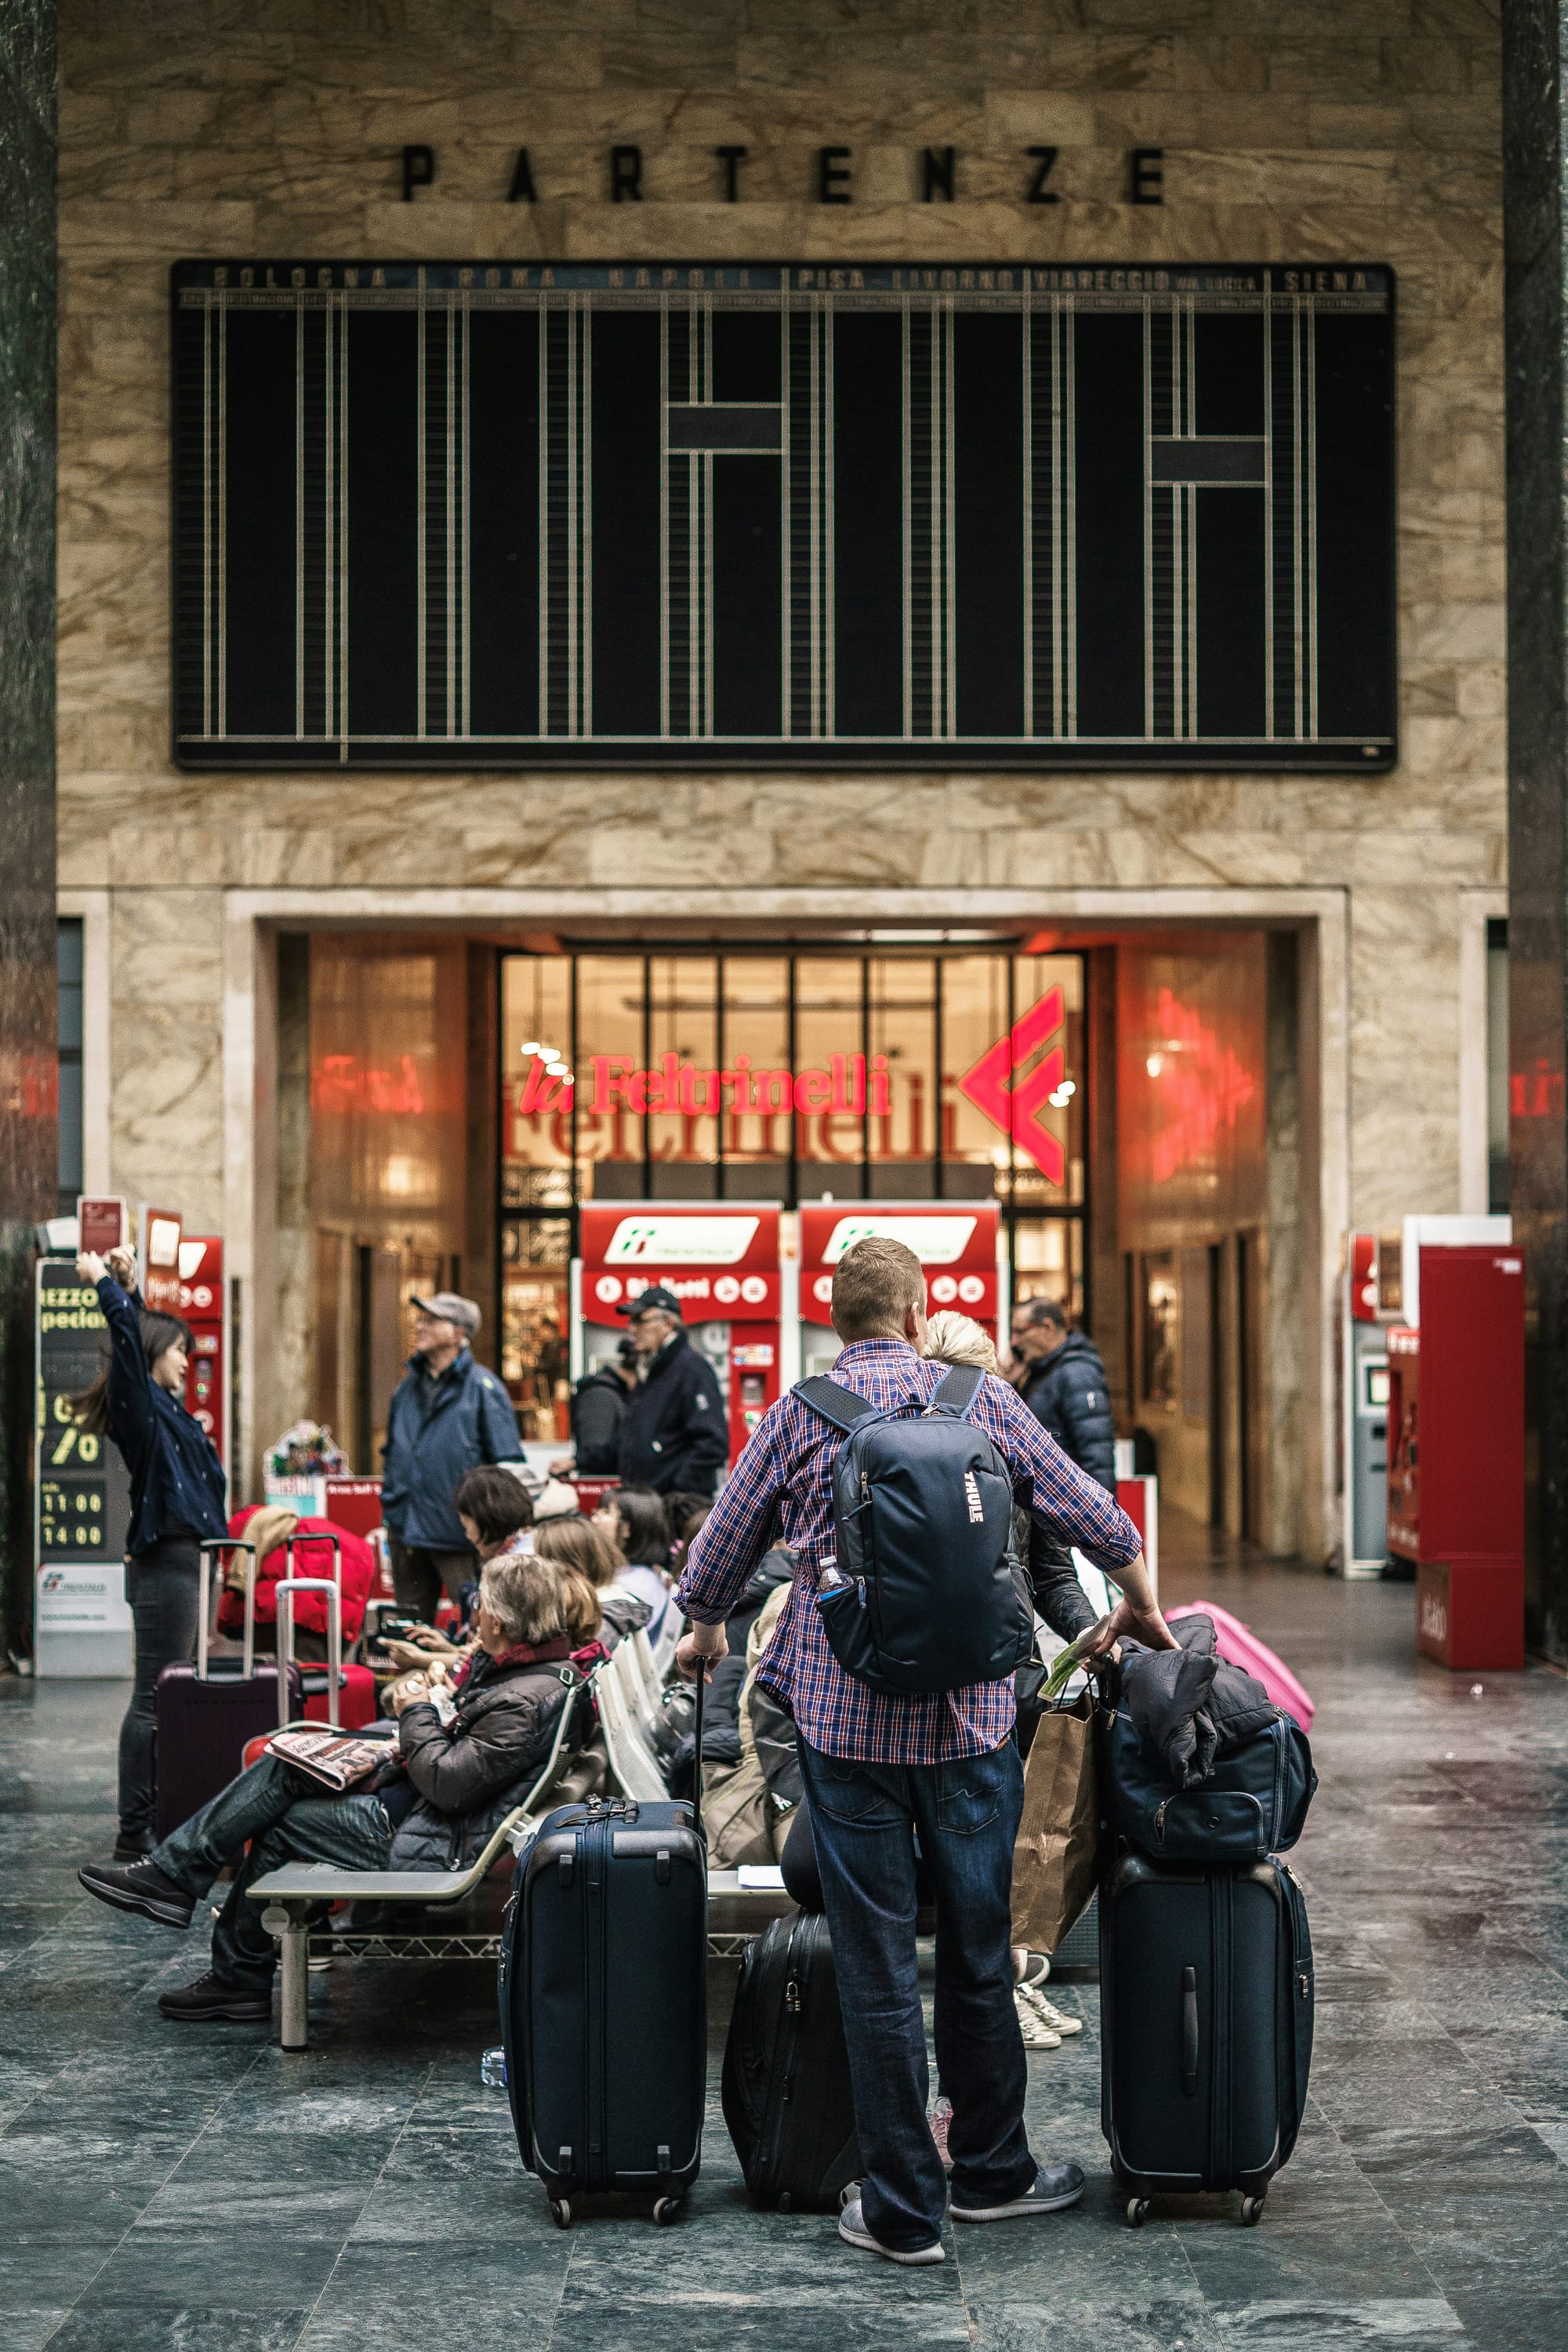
{"x": 880, "y": 1768}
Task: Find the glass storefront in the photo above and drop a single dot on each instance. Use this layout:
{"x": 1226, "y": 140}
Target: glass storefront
{"x": 786, "y": 1077}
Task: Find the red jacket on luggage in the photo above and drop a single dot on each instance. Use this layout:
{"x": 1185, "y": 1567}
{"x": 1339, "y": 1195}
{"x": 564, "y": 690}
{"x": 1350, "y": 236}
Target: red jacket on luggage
{"x": 308, "y": 1560}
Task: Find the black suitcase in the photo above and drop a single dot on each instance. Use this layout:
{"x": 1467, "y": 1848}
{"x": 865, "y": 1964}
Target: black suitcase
{"x": 204, "y": 1714}
{"x": 1205, "y": 1988}
{"x": 787, "y": 2099}
{"x": 605, "y": 2001}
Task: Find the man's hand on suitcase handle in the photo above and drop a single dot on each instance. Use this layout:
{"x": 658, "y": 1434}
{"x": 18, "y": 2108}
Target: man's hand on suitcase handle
{"x": 698, "y": 1651}
{"x": 1136, "y": 1612}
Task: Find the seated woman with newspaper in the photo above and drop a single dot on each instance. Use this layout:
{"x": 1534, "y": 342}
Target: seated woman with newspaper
{"x": 470, "y": 1739}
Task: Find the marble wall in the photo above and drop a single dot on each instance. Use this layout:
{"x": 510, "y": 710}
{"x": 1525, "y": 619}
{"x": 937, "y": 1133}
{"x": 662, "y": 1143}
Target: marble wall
{"x": 1295, "y": 129}
{"x": 29, "y": 1033}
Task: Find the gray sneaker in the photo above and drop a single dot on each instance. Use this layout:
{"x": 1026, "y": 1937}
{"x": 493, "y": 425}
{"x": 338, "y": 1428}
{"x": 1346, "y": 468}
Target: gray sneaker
{"x": 853, "y": 2230}
{"x": 1057, "y": 2186}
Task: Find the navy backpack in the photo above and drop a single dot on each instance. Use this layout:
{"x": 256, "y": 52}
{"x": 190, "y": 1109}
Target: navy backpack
{"x": 933, "y": 1597}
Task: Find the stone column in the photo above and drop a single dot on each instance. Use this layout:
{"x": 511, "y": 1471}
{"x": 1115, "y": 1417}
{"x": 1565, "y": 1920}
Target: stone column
{"x": 1535, "y": 155}
{"x": 28, "y": 1065}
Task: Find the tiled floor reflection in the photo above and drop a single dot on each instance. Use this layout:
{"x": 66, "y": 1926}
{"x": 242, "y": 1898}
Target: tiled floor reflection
{"x": 192, "y": 2188}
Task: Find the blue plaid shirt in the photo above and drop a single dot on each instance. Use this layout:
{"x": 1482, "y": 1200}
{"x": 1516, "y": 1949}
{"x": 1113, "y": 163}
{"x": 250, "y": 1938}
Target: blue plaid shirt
{"x": 782, "y": 1487}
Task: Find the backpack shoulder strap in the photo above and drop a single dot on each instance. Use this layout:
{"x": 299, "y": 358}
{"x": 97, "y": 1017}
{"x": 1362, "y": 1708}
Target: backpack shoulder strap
{"x": 835, "y": 1403}
{"x": 956, "y": 1393}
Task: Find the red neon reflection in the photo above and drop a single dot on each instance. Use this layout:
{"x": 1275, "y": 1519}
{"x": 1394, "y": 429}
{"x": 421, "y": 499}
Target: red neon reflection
{"x": 1202, "y": 1083}
{"x": 1018, "y": 1112}
{"x": 341, "y": 1082}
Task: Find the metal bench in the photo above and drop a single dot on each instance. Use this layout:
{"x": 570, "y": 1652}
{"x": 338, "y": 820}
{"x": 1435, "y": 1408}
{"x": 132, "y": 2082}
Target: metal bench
{"x": 736, "y": 1915}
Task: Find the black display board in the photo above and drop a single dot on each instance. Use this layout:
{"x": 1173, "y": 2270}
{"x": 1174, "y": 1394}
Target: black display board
{"x": 82, "y": 1489}
{"x": 727, "y": 515}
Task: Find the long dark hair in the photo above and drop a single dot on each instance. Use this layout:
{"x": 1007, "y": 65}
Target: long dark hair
{"x": 645, "y": 1526}
{"x": 159, "y": 1334}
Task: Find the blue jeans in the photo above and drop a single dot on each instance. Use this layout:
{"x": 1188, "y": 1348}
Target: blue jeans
{"x": 276, "y": 1808}
{"x": 966, "y": 1813}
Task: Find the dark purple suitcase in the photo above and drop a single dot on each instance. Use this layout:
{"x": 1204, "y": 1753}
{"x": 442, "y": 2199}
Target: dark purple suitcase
{"x": 206, "y": 1714}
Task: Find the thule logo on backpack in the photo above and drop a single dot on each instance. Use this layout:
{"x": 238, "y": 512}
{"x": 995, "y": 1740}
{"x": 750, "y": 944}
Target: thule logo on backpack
{"x": 971, "y": 1493}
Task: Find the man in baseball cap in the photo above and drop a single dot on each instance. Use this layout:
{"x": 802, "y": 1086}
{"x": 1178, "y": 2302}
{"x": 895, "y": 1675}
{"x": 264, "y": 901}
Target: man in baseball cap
{"x": 673, "y": 1432}
{"x": 447, "y": 1415}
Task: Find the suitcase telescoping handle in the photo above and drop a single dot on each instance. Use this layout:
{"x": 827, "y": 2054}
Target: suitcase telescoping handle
{"x": 229, "y": 1543}
{"x": 697, "y": 1751}
{"x": 286, "y": 1587}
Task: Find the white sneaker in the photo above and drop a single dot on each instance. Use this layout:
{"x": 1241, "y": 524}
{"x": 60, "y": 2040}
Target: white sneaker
{"x": 1036, "y": 2033}
{"x": 1057, "y": 2020}
{"x": 853, "y": 2230}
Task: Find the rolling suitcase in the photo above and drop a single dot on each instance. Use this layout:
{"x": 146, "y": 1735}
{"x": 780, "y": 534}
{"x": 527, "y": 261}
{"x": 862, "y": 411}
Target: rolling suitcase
{"x": 1205, "y": 1988}
{"x": 604, "y": 1999}
{"x": 204, "y": 1715}
{"x": 787, "y": 2099}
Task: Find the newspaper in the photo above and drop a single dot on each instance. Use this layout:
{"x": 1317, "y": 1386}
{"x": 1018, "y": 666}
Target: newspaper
{"x": 335, "y": 1758}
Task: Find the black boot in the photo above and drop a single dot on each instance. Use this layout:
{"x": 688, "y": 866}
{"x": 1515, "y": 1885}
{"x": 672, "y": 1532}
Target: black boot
{"x": 210, "y": 1998}
{"x": 138, "y": 1886}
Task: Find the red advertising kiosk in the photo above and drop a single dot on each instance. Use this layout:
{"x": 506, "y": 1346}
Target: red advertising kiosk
{"x": 204, "y": 1305}
{"x": 1455, "y": 1456}
{"x": 721, "y": 1260}
{"x": 956, "y": 1241}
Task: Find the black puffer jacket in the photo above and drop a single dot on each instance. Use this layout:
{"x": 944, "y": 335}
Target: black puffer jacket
{"x": 1068, "y": 1395}
{"x": 469, "y": 1774}
{"x": 597, "y": 1409}
{"x": 1189, "y": 1704}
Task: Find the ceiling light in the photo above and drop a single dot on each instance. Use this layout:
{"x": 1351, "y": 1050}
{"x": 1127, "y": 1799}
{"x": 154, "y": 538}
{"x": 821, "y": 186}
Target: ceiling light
{"x": 1155, "y": 1065}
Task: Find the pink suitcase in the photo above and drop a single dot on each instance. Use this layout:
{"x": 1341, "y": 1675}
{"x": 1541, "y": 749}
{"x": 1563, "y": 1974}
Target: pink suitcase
{"x": 1241, "y": 1648}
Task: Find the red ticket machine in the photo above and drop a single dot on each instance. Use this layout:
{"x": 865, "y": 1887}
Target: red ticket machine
{"x": 721, "y": 1260}
{"x": 204, "y": 1305}
{"x": 1456, "y": 1459}
{"x": 955, "y": 1242}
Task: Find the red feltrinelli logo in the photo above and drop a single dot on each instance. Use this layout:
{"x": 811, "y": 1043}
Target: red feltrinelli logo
{"x": 1017, "y": 1108}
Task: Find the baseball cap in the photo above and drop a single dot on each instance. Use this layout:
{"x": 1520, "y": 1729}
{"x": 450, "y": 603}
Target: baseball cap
{"x": 450, "y": 1308}
{"x": 656, "y": 1295}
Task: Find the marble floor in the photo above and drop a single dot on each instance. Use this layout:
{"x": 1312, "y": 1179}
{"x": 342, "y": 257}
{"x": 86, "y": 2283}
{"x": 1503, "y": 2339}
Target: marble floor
{"x": 172, "y": 2189}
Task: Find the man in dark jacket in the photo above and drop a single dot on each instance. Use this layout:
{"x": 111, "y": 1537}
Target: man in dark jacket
{"x": 447, "y": 1416}
{"x": 466, "y": 1753}
{"x": 673, "y": 1431}
{"x": 1060, "y": 1377}
{"x": 597, "y": 1409}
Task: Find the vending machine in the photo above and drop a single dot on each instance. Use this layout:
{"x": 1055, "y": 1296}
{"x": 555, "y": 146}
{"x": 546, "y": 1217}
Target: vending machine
{"x": 204, "y": 1305}
{"x": 1456, "y": 1465}
{"x": 960, "y": 1244}
{"x": 722, "y": 1261}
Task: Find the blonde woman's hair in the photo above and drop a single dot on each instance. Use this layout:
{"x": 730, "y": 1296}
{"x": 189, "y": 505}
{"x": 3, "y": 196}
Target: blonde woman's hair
{"x": 524, "y": 1595}
{"x": 580, "y": 1607}
{"x": 953, "y": 1339}
{"x": 580, "y": 1547}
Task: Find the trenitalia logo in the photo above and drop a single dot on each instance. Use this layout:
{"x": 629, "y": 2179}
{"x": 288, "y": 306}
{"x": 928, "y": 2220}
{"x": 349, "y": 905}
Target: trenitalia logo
{"x": 1017, "y": 1111}
{"x": 681, "y": 1241}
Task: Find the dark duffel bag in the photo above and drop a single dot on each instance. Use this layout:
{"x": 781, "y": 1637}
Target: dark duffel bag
{"x": 788, "y": 2100}
{"x": 1253, "y": 1801}
{"x": 1206, "y": 1999}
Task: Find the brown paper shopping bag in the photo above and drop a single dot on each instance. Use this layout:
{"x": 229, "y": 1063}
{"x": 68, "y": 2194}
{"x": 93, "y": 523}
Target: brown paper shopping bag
{"x": 1056, "y": 1857}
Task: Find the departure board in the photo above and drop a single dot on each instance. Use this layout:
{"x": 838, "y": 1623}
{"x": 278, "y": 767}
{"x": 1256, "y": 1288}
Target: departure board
{"x": 83, "y": 1493}
{"x": 725, "y": 515}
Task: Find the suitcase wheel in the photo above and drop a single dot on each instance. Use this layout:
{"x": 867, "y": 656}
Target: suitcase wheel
{"x": 1251, "y": 2211}
{"x": 561, "y": 2212}
{"x": 1137, "y": 2212}
{"x": 665, "y": 2210}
